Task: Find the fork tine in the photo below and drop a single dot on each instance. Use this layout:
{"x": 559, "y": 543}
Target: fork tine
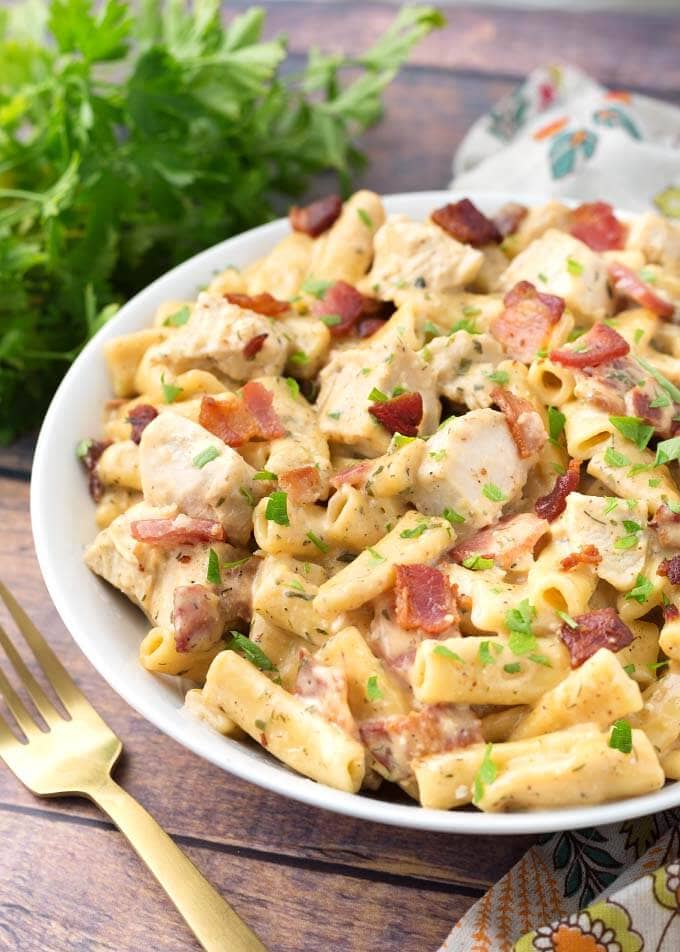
{"x": 17, "y": 707}
{"x": 35, "y": 691}
{"x": 7, "y": 738}
{"x": 67, "y": 692}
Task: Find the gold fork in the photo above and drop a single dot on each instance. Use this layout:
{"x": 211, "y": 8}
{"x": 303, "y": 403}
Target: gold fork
{"x": 75, "y": 757}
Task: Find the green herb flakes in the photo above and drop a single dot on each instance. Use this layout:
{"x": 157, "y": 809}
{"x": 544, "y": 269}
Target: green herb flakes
{"x": 621, "y": 737}
{"x": 373, "y": 692}
{"x": 277, "y": 508}
{"x": 205, "y": 456}
{"x": 179, "y": 318}
{"x": 213, "y": 573}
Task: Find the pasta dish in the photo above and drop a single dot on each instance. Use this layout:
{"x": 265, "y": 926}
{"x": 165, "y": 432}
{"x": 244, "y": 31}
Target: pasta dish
{"x": 400, "y": 499}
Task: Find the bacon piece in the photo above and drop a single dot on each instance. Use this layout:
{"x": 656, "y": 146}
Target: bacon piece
{"x": 302, "y": 484}
{"x": 464, "y": 222}
{"x": 260, "y": 401}
{"x": 397, "y": 740}
{"x": 343, "y": 301}
{"x": 628, "y": 284}
{"x": 670, "y": 568}
{"x": 524, "y": 421}
{"x": 197, "y": 618}
{"x": 353, "y": 475}
{"x": 369, "y": 326}
{"x": 423, "y": 598}
{"x": 182, "y": 530}
{"x": 667, "y": 525}
{"x": 317, "y": 217}
{"x": 401, "y": 414}
{"x": 509, "y": 217}
{"x": 260, "y": 303}
{"x": 254, "y": 346}
{"x": 230, "y": 420}
{"x": 505, "y": 542}
{"x": 600, "y": 345}
{"x": 324, "y": 688}
{"x": 670, "y": 612}
{"x": 596, "y": 225}
{"x": 601, "y": 628}
{"x": 554, "y": 503}
{"x": 89, "y": 460}
{"x": 523, "y": 326}
{"x": 586, "y": 555}
{"x": 237, "y": 590}
{"x": 139, "y": 418}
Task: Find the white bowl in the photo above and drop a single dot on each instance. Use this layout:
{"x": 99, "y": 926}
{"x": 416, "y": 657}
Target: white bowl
{"x": 109, "y": 629}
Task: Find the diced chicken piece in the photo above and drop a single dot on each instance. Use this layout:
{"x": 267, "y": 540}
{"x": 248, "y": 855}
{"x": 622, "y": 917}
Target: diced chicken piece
{"x": 473, "y": 466}
{"x": 619, "y": 533}
{"x": 462, "y": 364}
{"x": 537, "y": 221}
{"x": 418, "y": 255}
{"x": 510, "y": 543}
{"x": 657, "y": 238}
{"x": 494, "y": 264}
{"x": 214, "y": 338}
{"x": 347, "y": 382}
{"x": 174, "y": 470}
{"x": 561, "y": 264}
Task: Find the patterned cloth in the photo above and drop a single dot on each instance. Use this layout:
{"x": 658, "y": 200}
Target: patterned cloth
{"x": 561, "y": 133}
{"x": 615, "y": 889}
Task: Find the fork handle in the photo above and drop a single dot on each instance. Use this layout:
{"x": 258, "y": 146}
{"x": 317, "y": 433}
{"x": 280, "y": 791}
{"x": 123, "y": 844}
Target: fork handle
{"x": 212, "y": 920}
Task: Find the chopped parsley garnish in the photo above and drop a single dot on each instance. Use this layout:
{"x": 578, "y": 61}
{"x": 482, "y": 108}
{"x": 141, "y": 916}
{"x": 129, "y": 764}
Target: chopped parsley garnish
{"x": 477, "y": 563}
{"x": 447, "y": 653}
{"x": 397, "y": 391}
{"x": 235, "y": 564}
{"x": 612, "y": 503}
{"x": 299, "y": 357}
{"x": 556, "y": 421}
{"x": 574, "y": 267}
{"x": 567, "y": 619}
{"x": 293, "y": 386}
{"x": 316, "y": 287}
{"x": 261, "y": 725}
{"x": 431, "y": 330}
{"x": 612, "y": 457}
{"x": 667, "y": 450}
{"x": 638, "y": 335}
{"x": 170, "y": 391}
{"x": 452, "y": 516}
{"x": 205, "y": 456}
{"x": 626, "y": 542}
{"x": 522, "y": 640}
{"x": 335, "y": 415}
{"x": 373, "y": 692}
{"x": 265, "y": 474}
{"x": 178, "y": 318}
{"x": 213, "y": 573}
{"x": 657, "y": 664}
{"x": 246, "y": 492}
{"x": 437, "y": 455}
{"x": 672, "y": 505}
{"x": 465, "y": 324}
{"x": 377, "y": 396}
{"x": 250, "y": 651}
{"x": 634, "y": 429}
{"x": 670, "y": 388}
{"x": 484, "y": 654}
{"x": 621, "y": 737}
{"x": 375, "y": 555}
{"x": 575, "y": 333}
{"x": 541, "y": 659}
{"x": 83, "y": 448}
{"x": 500, "y": 377}
{"x": 365, "y": 217}
{"x": 400, "y": 440}
{"x": 629, "y": 669}
{"x": 654, "y": 483}
{"x": 631, "y": 526}
{"x": 492, "y": 492}
{"x": 414, "y": 533}
{"x": 641, "y": 591}
{"x": 331, "y": 320}
{"x": 543, "y": 277}
{"x": 663, "y": 400}
{"x": 277, "y": 508}
{"x": 486, "y": 774}
{"x": 513, "y": 667}
{"x": 319, "y": 543}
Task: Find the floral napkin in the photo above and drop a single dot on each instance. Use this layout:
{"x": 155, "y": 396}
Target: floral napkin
{"x": 614, "y": 889}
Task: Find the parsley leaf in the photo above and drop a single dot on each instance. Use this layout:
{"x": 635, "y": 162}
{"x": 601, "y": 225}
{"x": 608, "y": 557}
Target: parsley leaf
{"x": 667, "y": 450}
{"x": 212, "y": 574}
{"x": 452, "y": 516}
{"x": 522, "y": 640}
{"x": 179, "y": 318}
{"x": 250, "y": 651}
{"x": 556, "y": 421}
{"x": 477, "y": 563}
{"x": 447, "y": 653}
{"x": 613, "y": 458}
{"x": 170, "y": 391}
{"x": 373, "y": 692}
{"x": 205, "y": 456}
{"x": 641, "y": 591}
{"x": 621, "y": 737}
{"x": 277, "y": 508}
{"x": 492, "y": 492}
{"x": 634, "y": 429}
{"x": 319, "y": 543}
{"x": 486, "y": 774}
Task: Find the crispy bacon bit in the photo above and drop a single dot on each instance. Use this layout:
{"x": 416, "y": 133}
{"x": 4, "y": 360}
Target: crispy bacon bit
{"x": 317, "y": 217}
{"x": 554, "y": 503}
{"x": 302, "y": 484}
{"x": 670, "y": 568}
{"x": 670, "y": 612}
{"x": 182, "y": 530}
{"x": 353, "y": 475}
{"x": 586, "y": 555}
{"x": 139, "y": 418}
{"x": 259, "y": 401}
{"x": 505, "y": 543}
{"x": 509, "y": 217}
{"x": 89, "y": 460}
{"x": 667, "y": 525}
{"x": 601, "y": 628}
{"x": 524, "y": 421}
{"x": 464, "y": 222}
{"x": 230, "y": 420}
{"x": 628, "y": 284}
{"x": 423, "y": 598}
{"x": 600, "y": 345}
{"x": 523, "y": 326}
{"x": 596, "y": 225}
{"x": 401, "y": 414}
{"x": 369, "y": 326}
{"x": 254, "y": 346}
{"x": 236, "y": 593}
{"x": 197, "y": 618}
{"x": 260, "y": 303}
{"x": 397, "y": 740}
{"x": 343, "y": 301}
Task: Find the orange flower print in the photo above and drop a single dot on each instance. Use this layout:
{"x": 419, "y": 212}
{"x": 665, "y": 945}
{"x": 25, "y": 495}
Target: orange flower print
{"x": 578, "y": 933}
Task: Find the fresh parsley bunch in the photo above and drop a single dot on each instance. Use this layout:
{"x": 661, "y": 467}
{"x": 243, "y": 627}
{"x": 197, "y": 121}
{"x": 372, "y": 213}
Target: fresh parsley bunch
{"x": 131, "y": 137}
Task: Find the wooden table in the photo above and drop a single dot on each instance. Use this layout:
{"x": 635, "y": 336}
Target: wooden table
{"x": 306, "y": 880}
